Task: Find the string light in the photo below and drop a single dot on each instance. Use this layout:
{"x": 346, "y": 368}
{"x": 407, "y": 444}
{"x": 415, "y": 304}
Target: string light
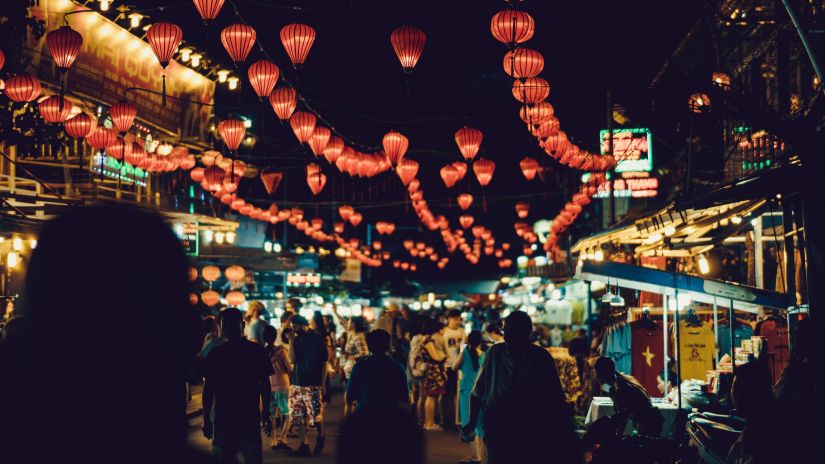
{"x": 598, "y": 255}
{"x": 219, "y": 238}
{"x": 104, "y": 5}
{"x": 134, "y": 19}
{"x": 185, "y": 53}
{"x": 12, "y": 259}
{"x": 233, "y": 83}
{"x": 208, "y": 235}
{"x": 222, "y": 75}
{"x": 268, "y": 246}
{"x": 230, "y": 237}
{"x": 196, "y": 59}
{"x": 704, "y": 266}
{"x": 17, "y": 244}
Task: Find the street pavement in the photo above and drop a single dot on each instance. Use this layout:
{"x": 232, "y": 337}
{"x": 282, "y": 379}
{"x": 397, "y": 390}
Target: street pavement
{"x": 442, "y": 447}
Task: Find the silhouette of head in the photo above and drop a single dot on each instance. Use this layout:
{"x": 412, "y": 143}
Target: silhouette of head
{"x": 371, "y": 435}
{"x": 378, "y": 341}
{"x": 605, "y": 370}
{"x": 517, "y": 328}
{"x": 270, "y": 335}
{"x": 232, "y": 323}
{"x": 752, "y": 388}
{"x": 107, "y": 297}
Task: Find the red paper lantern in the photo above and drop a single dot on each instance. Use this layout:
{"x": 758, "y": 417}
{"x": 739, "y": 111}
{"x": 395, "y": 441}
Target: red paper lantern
{"x": 556, "y": 143}
{"x": 512, "y": 26}
{"x": 395, "y": 146}
{"x": 356, "y": 219}
{"x": 232, "y": 132}
{"x": 484, "y": 169}
{"x": 303, "y": 124}
{"x": 55, "y": 109}
{"x": 297, "y": 40}
{"x": 137, "y": 155}
{"x": 101, "y": 137}
{"x": 23, "y": 88}
{"x": 522, "y": 209}
{"x": 449, "y": 174}
{"x": 316, "y": 182}
{"x": 531, "y": 90}
{"x": 210, "y": 297}
{"x": 164, "y": 39}
{"x": 123, "y": 115}
{"x": 208, "y": 9}
{"x": 466, "y": 221}
{"x": 283, "y": 101}
{"x": 213, "y": 176}
{"x": 547, "y": 128}
{"x": 235, "y": 298}
{"x": 196, "y": 175}
{"x": 522, "y": 63}
{"x": 536, "y": 114}
{"x": 407, "y": 169}
{"x": 64, "y": 45}
{"x": 238, "y": 40}
{"x": 408, "y": 43}
{"x": 79, "y": 126}
{"x": 319, "y": 139}
{"x": 263, "y": 76}
{"x": 465, "y": 200}
{"x": 333, "y": 149}
{"x": 2, "y": 59}
{"x": 235, "y": 273}
{"x": 346, "y": 212}
{"x": 461, "y": 167}
{"x": 468, "y": 141}
{"x": 119, "y": 149}
{"x": 529, "y": 167}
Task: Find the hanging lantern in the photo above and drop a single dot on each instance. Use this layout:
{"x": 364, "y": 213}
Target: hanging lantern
{"x": 698, "y": 103}
{"x": 316, "y": 182}
{"x": 297, "y": 40}
{"x": 721, "y": 79}
{"x": 196, "y": 175}
{"x": 263, "y": 76}
{"x": 208, "y": 9}
{"x": 2, "y": 59}
{"x": 23, "y": 88}
{"x": 54, "y": 110}
{"x": 211, "y": 273}
{"x": 119, "y": 149}
{"x": 283, "y": 102}
{"x": 101, "y": 137}
{"x": 529, "y": 167}
{"x": 137, "y": 154}
{"x": 484, "y": 169}
{"x": 522, "y": 209}
{"x": 512, "y": 26}
{"x": 303, "y": 124}
{"x": 235, "y": 273}
{"x": 333, "y": 149}
{"x": 531, "y": 90}
{"x": 548, "y": 128}
{"x": 210, "y": 297}
{"x": 235, "y": 298}
{"x": 407, "y": 169}
{"x": 232, "y": 132}
{"x": 449, "y": 174}
{"x": 356, "y": 219}
{"x": 79, "y": 126}
{"x": 466, "y": 221}
{"x": 317, "y": 223}
{"x": 461, "y": 167}
{"x": 338, "y": 228}
{"x": 164, "y": 38}
{"x": 468, "y": 141}
{"x": 213, "y": 176}
{"x": 556, "y": 144}
{"x": 465, "y": 200}
{"x": 123, "y": 116}
{"x": 64, "y": 45}
{"x": 536, "y": 114}
{"x": 346, "y": 212}
{"x": 319, "y": 139}
{"x": 408, "y": 43}
{"x": 522, "y": 63}
{"x": 238, "y": 40}
{"x": 395, "y": 146}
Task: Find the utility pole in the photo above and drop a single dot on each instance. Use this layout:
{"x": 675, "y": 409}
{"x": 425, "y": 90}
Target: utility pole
{"x": 611, "y": 173}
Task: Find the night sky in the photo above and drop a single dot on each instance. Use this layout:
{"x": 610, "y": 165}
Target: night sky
{"x": 354, "y": 80}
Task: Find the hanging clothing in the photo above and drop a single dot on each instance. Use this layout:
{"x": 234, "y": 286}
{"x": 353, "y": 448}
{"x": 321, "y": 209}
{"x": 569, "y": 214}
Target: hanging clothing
{"x": 589, "y": 385}
{"x": 740, "y": 332}
{"x": 617, "y": 346}
{"x": 558, "y": 312}
{"x": 648, "y": 354}
{"x": 696, "y": 350}
{"x": 775, "y": 331}
{"x": 568, "y": 373}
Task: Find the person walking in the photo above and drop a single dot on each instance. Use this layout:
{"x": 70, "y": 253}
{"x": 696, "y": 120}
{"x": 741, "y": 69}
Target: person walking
{"x": 236, "y": 383}
{"x": 433, "y": 386}
{"x": 308, "y": 354}
{"x": 279, "y": 384}
{"x": 467, "y": 365}
{"x": 453, "y": 338}
{"x": 254, "y": 330}
{"x": 517, "y": 383}
{"x": 377, "y": 381}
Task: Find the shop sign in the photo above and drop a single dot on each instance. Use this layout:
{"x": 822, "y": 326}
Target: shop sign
{"x": 113, "y": 60}
{"x": 188, "y": 235}
{"x": 632, "y": 149}
{"x": 307, "y": 262}
{"x": 352, "y": 271}
{"x": 303, "y": 280}
{"x": 634, "y": 187}
{"x": 110, "y": 167}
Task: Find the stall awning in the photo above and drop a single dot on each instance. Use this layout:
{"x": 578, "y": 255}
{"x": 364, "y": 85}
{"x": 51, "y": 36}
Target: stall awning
{"x": 456, "y": 288}
{"x": 706, "y": 291}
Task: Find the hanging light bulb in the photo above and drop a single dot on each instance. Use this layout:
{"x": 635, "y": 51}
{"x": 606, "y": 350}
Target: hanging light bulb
{"x": 185, "y": 53}
{"x": 208, "y": 235}
{"x": 233, "y": 83}
{"x": 230, "y": 237}
{"x": 12, "y": 259}
{"x": 33, "y": 243}
{"x": 704, "y": 266}
{"x": 196, "y": 59}
{"x": 104, "y": 5}
{"x": 219, "y": 236}
{"x": 268, "y": 246}
{"x": 736, "y": 220}
{"x": 598, "y": 255}
{"x": 17, "y": 244}
{"x": 222, "y": 75}
{"x": 670, "y": 230}
{"x": 134, "y": 19}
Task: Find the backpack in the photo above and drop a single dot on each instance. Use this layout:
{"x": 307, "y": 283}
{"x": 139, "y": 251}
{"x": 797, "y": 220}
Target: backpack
{"x": 418, "y": 367}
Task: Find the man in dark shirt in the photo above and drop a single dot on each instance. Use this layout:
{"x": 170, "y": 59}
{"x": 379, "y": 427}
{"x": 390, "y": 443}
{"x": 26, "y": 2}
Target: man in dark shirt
{"x": 518, "y": 384}
{"x": 237, "y": 379}
{"x": 629, "y": 398}
{"x": 378, "y": 381}
{"x": 309, "y": 355}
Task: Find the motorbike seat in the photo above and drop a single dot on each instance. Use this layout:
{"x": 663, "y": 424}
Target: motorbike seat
{"x": 715, "y": 435}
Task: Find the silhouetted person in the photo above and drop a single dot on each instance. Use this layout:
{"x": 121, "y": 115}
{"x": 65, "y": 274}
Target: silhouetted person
{"x": 519, "y": 403}
{"x": 765, "y": 426}
{"x": 237, "y": 383}
{"x": 308, "y": 354}
{"x": 107, "y": 297}
{"x": 381, "y": 435}
{"x": 629, "y": 398}
{"x": 378, "y": 381}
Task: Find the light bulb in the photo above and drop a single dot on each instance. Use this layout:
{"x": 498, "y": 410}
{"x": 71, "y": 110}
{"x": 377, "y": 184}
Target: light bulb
{"x": 736, "y": 220}
{"x": 599, "y": 255}
{"x": 33, "y": 243}
{"x": 219, "y": 237}
{"x": 670, "y": 230}
{"x": 233, "y": 82}
{"x": 104, "y": 5}
{"x": 134, "y": 19}
{"x": 12, "y": 259}
{"x": 230, "y": 237}
{"x": 196, "y": 59}
{"x": 704, "y": 266}
{"x": 208, "y": 235}
{"x": 222, "y": 75}
{"x": 247, "y": 123}
{"x": 276, "y": 247}
{"x": 185, "y": 53}
{"x": 268, "y": 246}
{"x": 17, "y": 244}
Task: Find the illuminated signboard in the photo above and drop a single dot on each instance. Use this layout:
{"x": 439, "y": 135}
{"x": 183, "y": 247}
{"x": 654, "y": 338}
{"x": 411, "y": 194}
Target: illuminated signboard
{"x": 113, "y": 168}
{"x": 632, "y": 148}
{"x": 188, "y": 235}
{"x": 303, "y": 280}
{"x": 630, "y": 185}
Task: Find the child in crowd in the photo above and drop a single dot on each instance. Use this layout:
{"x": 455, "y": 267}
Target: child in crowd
{"x": 279, "y": 382}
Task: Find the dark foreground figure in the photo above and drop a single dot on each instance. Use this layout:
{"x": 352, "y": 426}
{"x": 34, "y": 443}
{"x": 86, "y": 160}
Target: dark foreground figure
{"x": 97, "y": 372}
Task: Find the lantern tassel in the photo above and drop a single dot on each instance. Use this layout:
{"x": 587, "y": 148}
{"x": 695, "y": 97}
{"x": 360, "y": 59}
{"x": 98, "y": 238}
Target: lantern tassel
{"x": 163, "y": 93}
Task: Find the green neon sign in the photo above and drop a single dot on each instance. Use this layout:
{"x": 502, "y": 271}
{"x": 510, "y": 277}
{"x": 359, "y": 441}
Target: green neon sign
{"x": 632, "y": 148}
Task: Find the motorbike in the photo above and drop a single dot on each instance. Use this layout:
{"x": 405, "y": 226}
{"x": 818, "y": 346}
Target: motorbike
{"x": 606, "y": 443}
{"x": 713, "y": 435}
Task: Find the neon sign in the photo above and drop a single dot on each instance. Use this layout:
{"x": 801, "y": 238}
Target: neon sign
{"x": 632, "y": 149}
